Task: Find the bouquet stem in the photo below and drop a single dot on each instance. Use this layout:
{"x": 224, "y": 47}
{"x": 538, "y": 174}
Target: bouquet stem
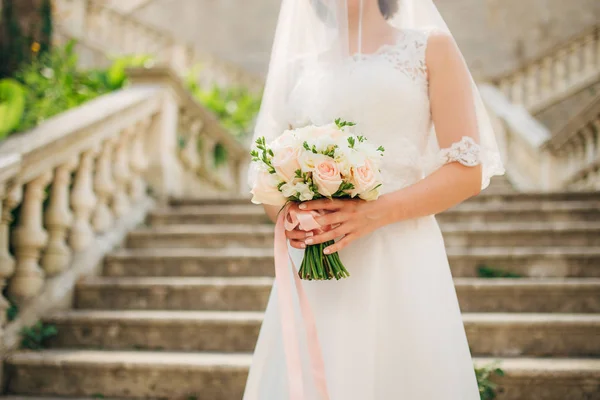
{"x": 317, "y": 266}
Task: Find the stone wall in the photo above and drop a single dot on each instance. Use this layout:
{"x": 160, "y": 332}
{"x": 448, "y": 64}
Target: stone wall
{"x": 495, "y": 35}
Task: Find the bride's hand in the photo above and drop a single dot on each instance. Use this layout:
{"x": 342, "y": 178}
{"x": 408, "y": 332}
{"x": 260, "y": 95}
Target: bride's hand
{"x": 349, "y": 218}
{"x": 297, "y": 236}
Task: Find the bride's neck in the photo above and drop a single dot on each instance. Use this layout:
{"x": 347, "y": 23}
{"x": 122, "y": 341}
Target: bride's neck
{"x": 373, "y": 25}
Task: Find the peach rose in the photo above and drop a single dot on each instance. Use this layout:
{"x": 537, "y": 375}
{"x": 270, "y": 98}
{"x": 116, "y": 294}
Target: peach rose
{"x": 326, "y": 176}
{"x": 364, "y": 179}
{"x": 286, "y": 162}
{"x": 265, "y": 190}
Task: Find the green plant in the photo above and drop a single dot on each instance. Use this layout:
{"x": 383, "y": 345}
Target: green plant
{"x": 55, "y": 83}
{"x": 12, "y": 312}
{"x": 116, "y": 76}
{"x": 37, "y": 336}
{"x": 98, "y": 396}
{"x": 484, "y": 374}
{"x": 484, "y": 271}
{"x": 12, "y": 105}
{"x": 235, "y": 107}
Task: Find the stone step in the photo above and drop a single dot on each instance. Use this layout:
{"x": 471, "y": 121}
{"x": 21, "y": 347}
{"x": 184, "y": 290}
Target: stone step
{"x": 208, "y": 376}
{"x": 201, "y": 236}
{"x": 539, "y": 262}
{"x": 203, "y": 376}
{"x": 515, "y": 234}
{"x": 251, "y": 294}
{"x": 210, "y": 214}
{"x": 485, "y": 197}
{"x": 509, "y": 335}
{"x": 209, "y": 331}
{"x": 546, "y": 379}
{"x": 498, "y": 234}
{"x": 537, "y": 335}
{"x": 465, "y": 262}
{"x": 534, "y": 211}
{"x": 190, "y": 262}
{"x": 466, "y": 212}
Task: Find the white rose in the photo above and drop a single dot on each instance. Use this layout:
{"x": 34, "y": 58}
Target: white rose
{"x": 264, "y": 190}
{"x": 309, "y": 160}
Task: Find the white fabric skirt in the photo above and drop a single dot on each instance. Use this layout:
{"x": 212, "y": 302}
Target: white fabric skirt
{"x": 391, "y": 331}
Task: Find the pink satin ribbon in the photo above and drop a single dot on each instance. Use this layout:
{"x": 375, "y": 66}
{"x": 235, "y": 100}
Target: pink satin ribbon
{"x": 288, "y": 220}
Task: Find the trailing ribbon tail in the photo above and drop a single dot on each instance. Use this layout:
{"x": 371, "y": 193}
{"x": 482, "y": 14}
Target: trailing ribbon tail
{"x": 286, "y": 309}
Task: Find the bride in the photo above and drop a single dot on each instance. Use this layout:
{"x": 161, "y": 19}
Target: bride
{"x": 393, "y": 329}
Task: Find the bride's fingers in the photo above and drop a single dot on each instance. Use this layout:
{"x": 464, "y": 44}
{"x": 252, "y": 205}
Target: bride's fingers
{"x": 298, "y": 234}
{"x": 298, "y": 244}
{"x": 340, "y": 244}
{"x": 339, "y": 231}
{"x": 336, "y": 217}
{"x": 322, "y": 204}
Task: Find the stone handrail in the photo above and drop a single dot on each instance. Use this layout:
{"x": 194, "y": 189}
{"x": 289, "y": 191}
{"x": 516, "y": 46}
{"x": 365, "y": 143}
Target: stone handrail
{"x": 81, "y": 180}
{"x": 113, "y": 32}
{"x": 577, "y": 149}
{"x": 536, "y": 159}
{"x": 556, "y": 75}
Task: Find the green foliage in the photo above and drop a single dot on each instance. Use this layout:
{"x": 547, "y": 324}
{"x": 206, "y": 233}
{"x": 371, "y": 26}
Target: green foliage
{"x": 235, "y": 107}
{"x": 98, "y": 396}
{"x": 12, "y": 105}
{"x": 484, "y": 374}
{"x": 56, "y": 84}
{"x": 37, "y": 336}
{"x": 12, "y": 312}
{"x": 484, "y": 271}
{"x": 116, "y": 77}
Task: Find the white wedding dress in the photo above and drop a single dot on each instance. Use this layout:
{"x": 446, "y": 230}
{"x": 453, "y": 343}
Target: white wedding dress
{"x": 393, "y": 330}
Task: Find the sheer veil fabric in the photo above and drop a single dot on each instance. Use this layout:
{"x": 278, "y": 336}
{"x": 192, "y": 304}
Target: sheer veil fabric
{"x": 393, "y": 329}
{"x": 313, "y": 36}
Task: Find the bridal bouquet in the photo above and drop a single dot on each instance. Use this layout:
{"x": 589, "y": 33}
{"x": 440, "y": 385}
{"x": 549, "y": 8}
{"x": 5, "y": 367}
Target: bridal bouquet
{"x": 311, "y": 163}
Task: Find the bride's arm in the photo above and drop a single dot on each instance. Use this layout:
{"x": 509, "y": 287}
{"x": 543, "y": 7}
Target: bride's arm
{"x": 453, "y": 113}
{"x": 454, "y": 116}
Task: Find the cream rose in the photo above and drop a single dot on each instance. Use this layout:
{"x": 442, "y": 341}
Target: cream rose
{"x": 326, "y": 176}
{"x": 265, "y": 190}
{"x": 286, "y": 162}
{"x": 364, "y": 178}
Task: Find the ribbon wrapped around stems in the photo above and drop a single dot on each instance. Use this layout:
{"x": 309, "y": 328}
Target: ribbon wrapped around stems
{"x": 288, "y": 220}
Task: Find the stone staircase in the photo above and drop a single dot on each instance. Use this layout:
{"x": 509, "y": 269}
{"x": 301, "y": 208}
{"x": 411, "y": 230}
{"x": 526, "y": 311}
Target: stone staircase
{"x": 178, "y": 309}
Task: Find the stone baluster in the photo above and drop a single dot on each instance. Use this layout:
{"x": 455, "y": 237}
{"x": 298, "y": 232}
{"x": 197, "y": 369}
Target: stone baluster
{"x": 560, "y": 70}
{"x": 208, "y": 153}
{"x": 589, "y": 141}
{"x": 505, "y": 86}
{"x": 546, "y": 78}
{"x": 516, "y": 94}
{"x": 189, "y": 154}
{"x": 58, "y": 218}
{"x": 589, "y": 55}
{"x": 574, "y": 62}
{"x": 139, "y": 162}
{"x": 121, "y": 174}
{"x": 29, "y": 238}
{"x": 596, "y": 125}
{"x": 102, "y": 219}
{"x": 83, "y": 201}
{"x": 7, "y": 262}
{"x": 532, "y": 86}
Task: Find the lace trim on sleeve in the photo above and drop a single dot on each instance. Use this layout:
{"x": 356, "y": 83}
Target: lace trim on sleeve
{"x": 466, "y": 152}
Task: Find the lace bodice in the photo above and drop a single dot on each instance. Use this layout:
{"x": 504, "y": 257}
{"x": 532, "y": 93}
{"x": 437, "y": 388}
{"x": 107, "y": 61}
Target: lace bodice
{"x": 386, "y": 95}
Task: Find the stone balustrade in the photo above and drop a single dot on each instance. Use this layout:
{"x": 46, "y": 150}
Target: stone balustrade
{"x": 537, "y": 160}
{"x": 81, "y": 180}
{"x": 556, "y": 75}
{"x": 110, "y": 32}
{"x": 577, "y": 150}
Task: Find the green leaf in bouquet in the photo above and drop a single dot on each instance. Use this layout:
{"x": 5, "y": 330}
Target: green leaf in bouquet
{"x": 381, "y": 149}
{"x": 351, "y": 142}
